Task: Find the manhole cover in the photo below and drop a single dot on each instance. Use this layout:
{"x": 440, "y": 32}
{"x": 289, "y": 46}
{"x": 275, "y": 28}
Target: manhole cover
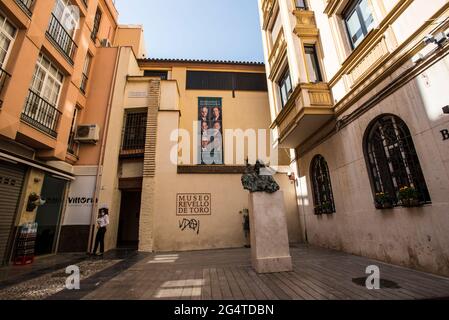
{"x": 384, "y": 284}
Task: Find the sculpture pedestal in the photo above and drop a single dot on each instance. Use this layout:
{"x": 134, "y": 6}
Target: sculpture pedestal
{"x": 270, "y": 250}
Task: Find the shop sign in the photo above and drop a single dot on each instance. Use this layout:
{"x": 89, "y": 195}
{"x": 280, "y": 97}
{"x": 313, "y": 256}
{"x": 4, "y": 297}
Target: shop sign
{"x": 80, "y": 201}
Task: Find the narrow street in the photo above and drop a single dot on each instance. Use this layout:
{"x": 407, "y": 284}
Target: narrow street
{"x": 220, "y": 275}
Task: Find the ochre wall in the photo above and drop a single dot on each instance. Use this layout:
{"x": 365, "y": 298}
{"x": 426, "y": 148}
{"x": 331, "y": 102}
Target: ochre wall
{"x": 223, "y": 228}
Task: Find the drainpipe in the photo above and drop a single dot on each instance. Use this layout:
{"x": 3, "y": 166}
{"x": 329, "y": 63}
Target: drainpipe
{"x": 102, "y": 154}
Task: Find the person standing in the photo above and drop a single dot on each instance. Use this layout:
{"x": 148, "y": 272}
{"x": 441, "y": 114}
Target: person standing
{"x": 102, "y": 223}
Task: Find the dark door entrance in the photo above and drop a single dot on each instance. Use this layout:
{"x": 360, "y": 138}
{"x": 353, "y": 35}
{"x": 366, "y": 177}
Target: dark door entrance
{"x": 11, "y": 182}
{"x": 48, "y": 216}
{"x": 128, "y": 231}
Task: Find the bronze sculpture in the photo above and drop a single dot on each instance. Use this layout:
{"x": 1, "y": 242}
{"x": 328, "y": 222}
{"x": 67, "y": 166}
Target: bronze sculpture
{"x": 254, "y": 181}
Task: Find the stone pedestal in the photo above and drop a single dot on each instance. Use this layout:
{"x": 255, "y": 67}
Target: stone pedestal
{"x": 270, "y": 251}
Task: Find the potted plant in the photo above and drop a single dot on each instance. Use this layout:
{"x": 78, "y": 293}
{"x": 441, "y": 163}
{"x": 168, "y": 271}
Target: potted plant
{"x": 409, "y": 197}
{"x": 326, "y": 207}
{"x": 383, "y": 200}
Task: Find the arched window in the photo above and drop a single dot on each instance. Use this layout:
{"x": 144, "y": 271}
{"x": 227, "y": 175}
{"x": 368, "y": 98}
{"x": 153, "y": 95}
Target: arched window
{"x": 392, "y": 161}
{"x": 322, "y": 187}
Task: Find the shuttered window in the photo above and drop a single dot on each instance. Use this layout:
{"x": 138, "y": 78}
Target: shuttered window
{"x": 232, "y": 81}
{"x": 11, "y": 182}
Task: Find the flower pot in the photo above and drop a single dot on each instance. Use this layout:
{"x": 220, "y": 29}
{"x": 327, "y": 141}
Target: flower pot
{"x": 388, "y": 205}
{"x": 411, "y": 203}
{"x": 384, "y": 206}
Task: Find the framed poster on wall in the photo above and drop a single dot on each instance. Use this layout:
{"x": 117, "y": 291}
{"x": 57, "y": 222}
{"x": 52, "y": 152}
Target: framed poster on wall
{"x": 210, "y": 131}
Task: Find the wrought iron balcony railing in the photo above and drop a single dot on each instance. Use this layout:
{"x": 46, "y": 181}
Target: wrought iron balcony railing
{"x": 4, "y": 76}
{"x": 41, "y": 114}
{"x": 61, "y": 39}
{"x": 26, "y": 6}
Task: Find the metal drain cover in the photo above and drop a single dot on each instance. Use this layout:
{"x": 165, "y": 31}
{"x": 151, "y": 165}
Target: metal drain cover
{"x": 384, "y": 283}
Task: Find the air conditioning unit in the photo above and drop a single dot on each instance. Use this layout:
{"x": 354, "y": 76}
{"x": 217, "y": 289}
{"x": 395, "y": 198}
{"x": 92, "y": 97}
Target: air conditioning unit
{"x": 105, "y": 43}
{"x": 88, "y": 133}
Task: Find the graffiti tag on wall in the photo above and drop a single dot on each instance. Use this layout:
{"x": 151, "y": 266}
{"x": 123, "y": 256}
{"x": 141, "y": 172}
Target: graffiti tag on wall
{"x": 190, "y": 224}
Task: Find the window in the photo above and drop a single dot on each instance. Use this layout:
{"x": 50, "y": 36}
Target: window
{"x": 313, "y": 64}
{"x": 359, "y": 21}
{"x": 47, "y": 80}
{"x": 26, "y": 6}
{"x": 85, "y": 75}
{"x": 67, "y": 15}
{"x": 134, "y": 133}
{"x": 277, "y": 27}
{"x": 285, "y": 87}
{"x": 301, "y": 4}
{"x": 156, "y": 73}
{"x": 7, "y": 35}
{"x": 392, "y": 160}
{"x": 96, "y": 27}
{"x": 233, "y": 81}
{"x": 72, "y": 146}
{"x": 321, "y": 186}
{"x": 41, "y": 109}
{"x": 62, "y": 27}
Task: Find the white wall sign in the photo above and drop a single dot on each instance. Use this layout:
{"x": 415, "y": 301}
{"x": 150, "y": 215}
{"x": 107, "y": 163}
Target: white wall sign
{"x": 80, "y": 201}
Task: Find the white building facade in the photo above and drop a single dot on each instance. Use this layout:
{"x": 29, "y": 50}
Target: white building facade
{"x": 357, "y": 92}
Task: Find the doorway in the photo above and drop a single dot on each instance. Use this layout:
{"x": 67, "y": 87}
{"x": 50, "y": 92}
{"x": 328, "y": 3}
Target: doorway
{"x": 128, "y": 231}
{"x": 48, "y": 216}
{"x": 12, "y": 178}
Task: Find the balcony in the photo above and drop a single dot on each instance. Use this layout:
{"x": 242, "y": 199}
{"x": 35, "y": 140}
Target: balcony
{"x": 41, "y": 114}
{"x": 309, "y": 108}
{"x": 4, "y": 77}
{"x": 365, "y": 61}
{"x": 277, "y": 54}
{"x": 305, "y": 24}
{"x": 26, "y": 6}
{"x": 61, "y": 39}
{"x": 268, "y": 10}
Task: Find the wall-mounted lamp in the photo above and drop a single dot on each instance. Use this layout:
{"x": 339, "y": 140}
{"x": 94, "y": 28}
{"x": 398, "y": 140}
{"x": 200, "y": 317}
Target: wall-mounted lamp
{"x": 446, "y": 110}
{"x": 292, "y": 176}
{"x": 439, "y": 39}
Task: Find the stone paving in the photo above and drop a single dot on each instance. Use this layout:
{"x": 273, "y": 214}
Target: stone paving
{"x": 51, "y": 283}
{"x": 319, "y": 274}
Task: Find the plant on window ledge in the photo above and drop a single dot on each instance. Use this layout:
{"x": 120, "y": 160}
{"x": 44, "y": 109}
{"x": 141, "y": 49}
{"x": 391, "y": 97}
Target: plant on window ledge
{"x": 383, "y": 200}
{"x": 324, "y": 208}
{"x": 409, "y": 197}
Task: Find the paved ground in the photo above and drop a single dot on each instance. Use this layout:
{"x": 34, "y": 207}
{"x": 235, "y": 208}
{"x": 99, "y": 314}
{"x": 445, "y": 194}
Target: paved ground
{"x": 227, "y": 275}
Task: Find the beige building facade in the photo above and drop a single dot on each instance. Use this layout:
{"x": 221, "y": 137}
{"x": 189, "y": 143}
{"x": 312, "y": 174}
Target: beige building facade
{"x": 166, "y": 196}
{"x": 357, "y": 94}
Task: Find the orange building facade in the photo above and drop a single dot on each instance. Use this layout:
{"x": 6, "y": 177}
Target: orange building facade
{"x": 57, "y": 63}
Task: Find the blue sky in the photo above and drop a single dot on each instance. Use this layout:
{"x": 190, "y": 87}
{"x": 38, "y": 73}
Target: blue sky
{"x": 197, "y": 29}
